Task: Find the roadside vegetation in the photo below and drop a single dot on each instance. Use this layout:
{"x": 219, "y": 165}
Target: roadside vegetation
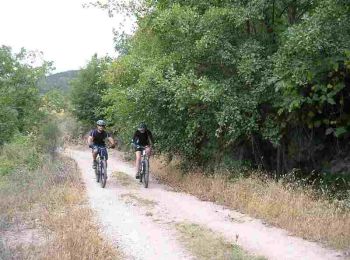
{"x": 263, "y": 83}
{"x": 43, "y": 209}
{"x": 44, "y": 212}
{"x": 294, "y": 207}
{"x": 253, "y": 96}
{"x": 207, "y": 245}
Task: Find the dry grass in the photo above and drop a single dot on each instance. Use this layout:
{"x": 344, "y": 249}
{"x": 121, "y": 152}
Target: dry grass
{"x": 132, "y": 198}
{"x": 296, "y": 210}
{"x": 206, "y": 245}
{"x": 51, "y": 204}
{"x": 124, "y": 180}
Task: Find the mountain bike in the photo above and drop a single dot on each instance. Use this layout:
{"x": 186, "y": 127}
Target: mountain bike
{"x": 144, "y": 167}
{"x": 101, "y": 166}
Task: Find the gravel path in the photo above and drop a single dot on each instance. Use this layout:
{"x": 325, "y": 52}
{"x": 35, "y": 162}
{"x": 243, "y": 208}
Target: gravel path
{"x": 140, "y": 222}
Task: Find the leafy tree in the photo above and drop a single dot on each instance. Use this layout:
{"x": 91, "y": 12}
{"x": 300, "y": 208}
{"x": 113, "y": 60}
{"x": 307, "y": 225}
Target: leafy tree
{"x": 88, "y": 88}
{"x": 243, "y": 79}
{"x": 55, "y": 101}
{"x": 20, "y": 99}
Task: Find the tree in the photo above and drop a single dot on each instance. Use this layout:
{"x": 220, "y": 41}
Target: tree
{"x": 87, "y": 90}
{"x": 243, "y": 79}
{"x": 20, "y": 99}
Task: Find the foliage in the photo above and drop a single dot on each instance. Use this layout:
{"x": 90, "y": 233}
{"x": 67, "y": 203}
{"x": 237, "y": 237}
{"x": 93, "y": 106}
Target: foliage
{"x": 263, "y": 81}
{"x": 49, "y": 138}
{"x": 54, "y": 101}
{"x": 88, "y": 88}
{"x": 20, "y": 98}
{"x": 20, "y": 152}
{"x": 311, "y": 66}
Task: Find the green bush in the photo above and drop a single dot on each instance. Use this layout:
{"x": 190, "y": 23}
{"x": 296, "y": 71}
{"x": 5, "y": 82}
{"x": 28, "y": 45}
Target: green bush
{"x": 21, "y": 152}
{"x": 6, "y": 166}
{"x": 72, "y": 131}
{"x": 49, "y": 137}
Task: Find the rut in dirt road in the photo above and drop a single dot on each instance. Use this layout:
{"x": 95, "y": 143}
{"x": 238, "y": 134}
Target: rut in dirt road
{"x": 141, "y": 222}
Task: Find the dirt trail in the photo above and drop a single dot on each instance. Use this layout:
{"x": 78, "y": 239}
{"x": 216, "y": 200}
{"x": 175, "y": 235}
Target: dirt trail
{"x": 141, "y": 221}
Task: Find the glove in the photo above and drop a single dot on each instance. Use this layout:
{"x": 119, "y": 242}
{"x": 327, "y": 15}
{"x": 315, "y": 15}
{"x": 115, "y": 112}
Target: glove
{"x": 91, "y": 146}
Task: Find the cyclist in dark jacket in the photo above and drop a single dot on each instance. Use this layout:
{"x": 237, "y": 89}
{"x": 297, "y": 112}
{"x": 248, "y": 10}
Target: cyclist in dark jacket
{"x": 97, "y": 138}
{"x": 142, "y": 137}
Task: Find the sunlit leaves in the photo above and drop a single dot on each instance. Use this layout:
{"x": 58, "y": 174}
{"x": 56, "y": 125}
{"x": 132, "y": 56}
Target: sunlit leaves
{"x": 20, "y": 100}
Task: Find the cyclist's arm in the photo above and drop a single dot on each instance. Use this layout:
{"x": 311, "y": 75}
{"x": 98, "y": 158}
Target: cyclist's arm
{"x": 150, "y": 138}
{"x": 111, "y": 141}
{"x": 90, "y": 140}
{"x": 134, "y": 139}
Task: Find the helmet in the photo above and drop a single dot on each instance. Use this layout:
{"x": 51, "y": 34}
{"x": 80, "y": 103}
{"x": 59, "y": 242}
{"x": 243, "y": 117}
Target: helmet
{"x": 101, "y": 122}
{"x": 142, "y": 126}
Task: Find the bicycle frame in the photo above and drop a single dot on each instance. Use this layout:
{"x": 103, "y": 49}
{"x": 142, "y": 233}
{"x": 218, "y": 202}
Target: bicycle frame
{"x": 144, "y": 167}
{"x": 102, "y": 153}
{"x": 101, "y": 169}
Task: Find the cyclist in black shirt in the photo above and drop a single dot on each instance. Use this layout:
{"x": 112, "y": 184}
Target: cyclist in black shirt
{"x": 97, "y": 138}
{"x": 142, "y": 137}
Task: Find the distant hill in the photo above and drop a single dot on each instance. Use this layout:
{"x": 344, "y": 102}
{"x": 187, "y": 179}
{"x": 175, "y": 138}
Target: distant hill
{"x": 58, "y": 81}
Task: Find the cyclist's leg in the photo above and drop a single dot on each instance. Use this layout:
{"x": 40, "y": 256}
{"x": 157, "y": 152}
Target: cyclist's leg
{"x": 137, "y": 163}
{"x": 148, "y": 150}
{"x": 94, "y": 156}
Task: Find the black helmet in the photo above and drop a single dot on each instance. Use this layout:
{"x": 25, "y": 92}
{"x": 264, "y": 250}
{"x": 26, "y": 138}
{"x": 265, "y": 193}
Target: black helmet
{"x": 142, "y": 126}
{"x": 101, "y": 122}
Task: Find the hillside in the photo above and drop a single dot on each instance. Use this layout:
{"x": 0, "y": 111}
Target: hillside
{"x": 57, "y": 81}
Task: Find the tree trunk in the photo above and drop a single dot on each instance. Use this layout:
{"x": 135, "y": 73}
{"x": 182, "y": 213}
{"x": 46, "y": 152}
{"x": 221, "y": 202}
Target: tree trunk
{"x": 292, "y": 12}
{"x": 248, "y": 27}
{"x": 278, "y": 161}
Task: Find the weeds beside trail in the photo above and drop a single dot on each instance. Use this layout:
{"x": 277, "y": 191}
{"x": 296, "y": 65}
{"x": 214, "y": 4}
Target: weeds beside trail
{"x": 207, "y": 245}
{"x": 44, "y": 215}
{"x": 294, "y": 209}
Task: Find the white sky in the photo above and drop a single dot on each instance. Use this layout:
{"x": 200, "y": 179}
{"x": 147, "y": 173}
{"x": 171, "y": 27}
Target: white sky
{"x": 63, "y": 30}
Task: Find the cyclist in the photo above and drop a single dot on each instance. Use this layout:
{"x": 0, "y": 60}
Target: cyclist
{"x": 97, "y": 138}
{"x": 142, "y": 137}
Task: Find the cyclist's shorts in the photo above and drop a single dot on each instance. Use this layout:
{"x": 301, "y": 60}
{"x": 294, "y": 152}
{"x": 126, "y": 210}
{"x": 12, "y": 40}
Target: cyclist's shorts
{"x": 95, "y": 150}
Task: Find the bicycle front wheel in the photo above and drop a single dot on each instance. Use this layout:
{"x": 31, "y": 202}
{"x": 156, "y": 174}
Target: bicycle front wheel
{"x": 97, "y": 170}
{"x": 103, "y": 173}
{"x": 146, "y": 173}
{"x": 141, "y": 170}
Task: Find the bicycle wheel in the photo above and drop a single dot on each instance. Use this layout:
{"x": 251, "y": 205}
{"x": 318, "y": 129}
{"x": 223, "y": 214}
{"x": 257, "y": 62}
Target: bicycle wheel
{"x": 146, "y": 173}
{"x": 141, "y": 170}
{"x": 103, "y": 173}
{"x": 97, "y": 170}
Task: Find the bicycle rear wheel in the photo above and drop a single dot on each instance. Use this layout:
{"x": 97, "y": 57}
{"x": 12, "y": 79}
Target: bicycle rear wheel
{"x": 103, "y": 173}
{"x": 146, "y": 173}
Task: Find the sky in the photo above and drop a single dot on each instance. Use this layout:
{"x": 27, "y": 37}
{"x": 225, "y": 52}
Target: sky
{"x": 63, "y": 30}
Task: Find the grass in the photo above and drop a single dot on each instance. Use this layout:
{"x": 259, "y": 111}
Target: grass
{"x": 132, "y": 198}
{"x": 124, "y": 179}
{"x": 50, "y": 203}
{"x": 297, "y": 210}
{"x": 207, "y": 245}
